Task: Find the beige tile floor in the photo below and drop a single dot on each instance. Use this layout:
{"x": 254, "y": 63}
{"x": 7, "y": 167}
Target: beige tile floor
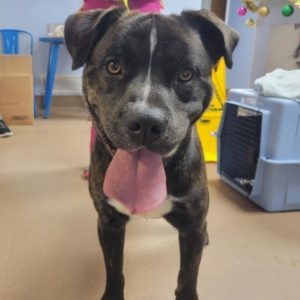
{"x": 48, "y": 242}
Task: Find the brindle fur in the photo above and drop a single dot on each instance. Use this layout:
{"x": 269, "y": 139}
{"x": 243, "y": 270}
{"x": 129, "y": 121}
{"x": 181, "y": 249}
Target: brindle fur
{"x": 196, "y": 38}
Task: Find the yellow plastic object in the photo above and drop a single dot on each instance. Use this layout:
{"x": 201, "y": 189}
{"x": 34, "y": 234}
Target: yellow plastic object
{"x": 208, "y": 125}
{"x": 219, "y": 83}
{"x": 207, "y": 128}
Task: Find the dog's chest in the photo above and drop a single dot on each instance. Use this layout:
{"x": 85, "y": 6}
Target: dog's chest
{"x": 162, "y": 210}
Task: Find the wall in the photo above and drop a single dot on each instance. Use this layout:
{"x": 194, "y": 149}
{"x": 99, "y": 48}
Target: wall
{"x": 33, "y": 16}
{"x": 174, "y": 6}
{"x": 263, "y": 35}
{"x": 281, "y": 54}
{"x": 250, "y": 55}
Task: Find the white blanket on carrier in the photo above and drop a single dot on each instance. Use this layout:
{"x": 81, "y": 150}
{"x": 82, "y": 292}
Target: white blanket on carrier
{"x": 279, "y": 83}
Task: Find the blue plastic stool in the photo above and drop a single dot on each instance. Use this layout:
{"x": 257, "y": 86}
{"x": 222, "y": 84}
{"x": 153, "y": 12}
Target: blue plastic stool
{"x": 55, "y": 42}
{"x": 10, "y": 46}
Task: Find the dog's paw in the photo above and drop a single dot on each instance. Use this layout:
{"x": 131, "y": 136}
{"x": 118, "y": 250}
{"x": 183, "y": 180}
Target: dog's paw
{"x": 186, "y": 295}
{"x": 112, "y": 297}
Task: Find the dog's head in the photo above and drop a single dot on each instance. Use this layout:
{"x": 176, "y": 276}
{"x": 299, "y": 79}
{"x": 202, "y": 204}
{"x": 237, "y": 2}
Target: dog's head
{"x": 147, "y": 77}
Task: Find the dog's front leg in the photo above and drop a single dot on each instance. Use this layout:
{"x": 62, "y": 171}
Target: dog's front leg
{"x": 191, "y": 244}
{"x": 111, "y": 236}
{"x": 192, "y": 239}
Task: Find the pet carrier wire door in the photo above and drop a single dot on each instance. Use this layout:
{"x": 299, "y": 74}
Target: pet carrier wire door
{"x": 259, "y": 149}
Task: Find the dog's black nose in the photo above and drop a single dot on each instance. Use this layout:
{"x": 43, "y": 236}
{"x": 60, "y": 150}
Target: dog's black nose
{"x": 146, "y": 127}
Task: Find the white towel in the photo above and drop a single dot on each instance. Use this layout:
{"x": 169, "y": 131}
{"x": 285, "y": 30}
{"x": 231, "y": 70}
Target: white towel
{"x": 279, "y": 83}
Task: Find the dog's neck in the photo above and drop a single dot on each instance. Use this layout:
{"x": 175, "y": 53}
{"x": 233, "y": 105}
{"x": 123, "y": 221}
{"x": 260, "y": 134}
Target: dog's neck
{"x": 108, "y": 145}
{"x": 106, "y": 142}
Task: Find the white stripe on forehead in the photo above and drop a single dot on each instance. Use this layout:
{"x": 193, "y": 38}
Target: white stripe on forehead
{"x": 153, "y": 42}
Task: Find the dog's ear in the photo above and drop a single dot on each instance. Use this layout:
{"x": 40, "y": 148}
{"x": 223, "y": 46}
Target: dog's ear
{"x": 84, "y": 29}
{"x": 218, "y": 38}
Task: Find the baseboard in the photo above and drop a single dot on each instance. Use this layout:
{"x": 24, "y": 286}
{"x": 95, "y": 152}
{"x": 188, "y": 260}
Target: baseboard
{"x": 77, "y": 101}
{"x": 64, "y": 85}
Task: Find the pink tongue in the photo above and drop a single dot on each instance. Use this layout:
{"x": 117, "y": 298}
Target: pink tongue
{"x": 137, "y": 180}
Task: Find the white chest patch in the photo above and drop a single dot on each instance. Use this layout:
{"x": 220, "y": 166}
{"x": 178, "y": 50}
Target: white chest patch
{"x": 163, "y": 209}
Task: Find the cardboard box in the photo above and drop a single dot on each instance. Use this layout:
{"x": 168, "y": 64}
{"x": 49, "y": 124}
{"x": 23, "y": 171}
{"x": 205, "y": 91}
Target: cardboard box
{"x": 16, "y": 89}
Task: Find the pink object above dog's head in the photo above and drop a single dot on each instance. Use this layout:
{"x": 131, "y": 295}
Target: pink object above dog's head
{"x": 104, "y": 4}
{"x": 145, "y": 6}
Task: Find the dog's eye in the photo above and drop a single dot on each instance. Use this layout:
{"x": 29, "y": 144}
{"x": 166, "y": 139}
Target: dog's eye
{"x": 113, "y": 67}
{"x": 186, "y": 75}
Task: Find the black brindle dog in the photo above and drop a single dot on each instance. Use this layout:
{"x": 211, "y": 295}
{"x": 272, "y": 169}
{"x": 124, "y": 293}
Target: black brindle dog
{"x": 146, "y": 82}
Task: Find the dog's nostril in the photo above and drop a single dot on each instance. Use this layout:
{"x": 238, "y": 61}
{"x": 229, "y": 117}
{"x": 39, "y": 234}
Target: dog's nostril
{"x": 134, "y": 126}
{"x": 156, "y": 130}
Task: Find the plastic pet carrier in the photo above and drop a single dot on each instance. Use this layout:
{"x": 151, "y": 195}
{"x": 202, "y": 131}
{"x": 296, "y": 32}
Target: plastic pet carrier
{"x": 259, "y": 149}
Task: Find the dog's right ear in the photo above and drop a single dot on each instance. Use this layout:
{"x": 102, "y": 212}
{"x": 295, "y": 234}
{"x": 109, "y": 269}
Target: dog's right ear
{"x": 84, "y": 29}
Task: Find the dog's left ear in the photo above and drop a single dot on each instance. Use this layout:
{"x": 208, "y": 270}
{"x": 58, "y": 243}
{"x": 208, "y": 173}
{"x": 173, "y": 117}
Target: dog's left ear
{"x": 218, "y": 38}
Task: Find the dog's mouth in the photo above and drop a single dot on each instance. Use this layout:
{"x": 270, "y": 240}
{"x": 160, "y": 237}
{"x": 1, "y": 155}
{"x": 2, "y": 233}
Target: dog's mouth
{"x": 107, "y": 142}
{"x": 135, "y": 178}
